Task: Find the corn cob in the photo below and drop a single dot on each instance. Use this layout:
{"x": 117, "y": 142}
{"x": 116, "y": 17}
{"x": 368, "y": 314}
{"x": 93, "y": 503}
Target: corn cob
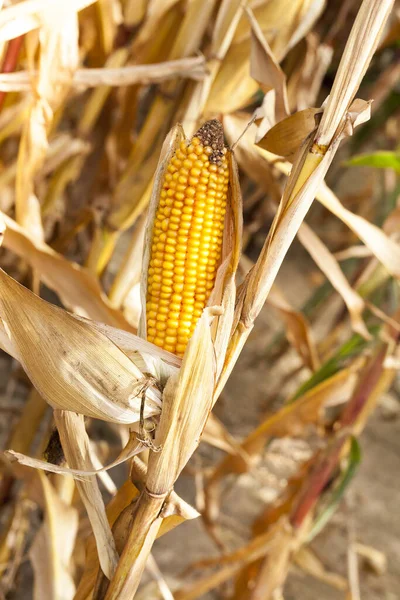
{"x": 187, "y": 238}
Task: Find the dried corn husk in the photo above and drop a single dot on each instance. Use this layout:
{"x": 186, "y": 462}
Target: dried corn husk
{"x": 187, "y": 401}
{"x": 73, "y": 366}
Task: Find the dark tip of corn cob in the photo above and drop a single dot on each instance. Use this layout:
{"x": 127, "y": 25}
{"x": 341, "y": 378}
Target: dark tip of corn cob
{"x": 212, "y": 134}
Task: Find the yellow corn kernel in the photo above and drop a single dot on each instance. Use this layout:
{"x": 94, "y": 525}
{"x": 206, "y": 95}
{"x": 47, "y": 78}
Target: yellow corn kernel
{"x": 187, "y": 238}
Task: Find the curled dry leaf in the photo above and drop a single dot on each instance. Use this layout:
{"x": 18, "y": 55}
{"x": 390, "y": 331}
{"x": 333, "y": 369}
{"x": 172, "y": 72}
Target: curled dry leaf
{"x": 133, "y": 447}
{"x": 73, "y": 366}
{"x": 75, "y": 444}
{"x": 298, "y": 329}
{"x": 265, "y": 69}
{"x": 286, "y": 137}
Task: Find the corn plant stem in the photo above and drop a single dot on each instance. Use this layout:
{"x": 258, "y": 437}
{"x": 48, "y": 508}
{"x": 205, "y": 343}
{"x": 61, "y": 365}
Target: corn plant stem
{"x": 147, "y": 515}
{"x": 312, "y": 159}
{"x": 143, "y": 533}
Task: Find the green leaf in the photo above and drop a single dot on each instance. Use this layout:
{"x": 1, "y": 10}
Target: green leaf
{"x": 380, "y": 160}
{"x": 338, "y": 492}
{"x": 355, "y": 345}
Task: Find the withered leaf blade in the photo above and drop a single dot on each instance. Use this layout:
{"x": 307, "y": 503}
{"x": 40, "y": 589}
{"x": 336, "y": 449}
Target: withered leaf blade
{"x": 265, "y": 69}
{"x": 75, "y": 444}
{"x": 133, "y": 447}
{"x": 73, "y": 366}
{"x": 78, "y": 289}
{"x": 285, "y": 138}
{"x": 327, "y": 263}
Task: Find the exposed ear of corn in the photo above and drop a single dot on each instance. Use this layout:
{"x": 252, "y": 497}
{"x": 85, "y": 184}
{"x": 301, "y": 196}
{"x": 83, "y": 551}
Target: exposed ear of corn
{"x": 187, "y": 237}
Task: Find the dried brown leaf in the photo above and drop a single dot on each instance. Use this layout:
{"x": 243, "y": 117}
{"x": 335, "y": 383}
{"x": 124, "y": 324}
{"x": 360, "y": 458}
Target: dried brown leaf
{"x": 286, "y": 137}
{"x": 328, "y": 265}
{"x": 133, "y": 447}
{"x": 298, "y": 329}
{"x": 265, "y": 69}
{"x": 73, "y": 366}
{"x": 75, "y": 443}
{"x": 78, "y": 289}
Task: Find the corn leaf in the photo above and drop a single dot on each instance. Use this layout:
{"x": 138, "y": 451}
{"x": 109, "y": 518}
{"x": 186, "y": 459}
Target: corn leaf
{"x": 73, "y": 366}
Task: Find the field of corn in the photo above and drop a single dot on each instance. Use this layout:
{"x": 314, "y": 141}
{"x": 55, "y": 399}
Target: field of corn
{"x": 199, "y": 299}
